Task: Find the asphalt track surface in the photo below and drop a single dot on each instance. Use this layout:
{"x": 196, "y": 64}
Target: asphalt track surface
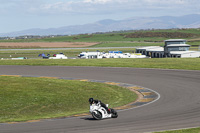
{"x": 178, "y": 106}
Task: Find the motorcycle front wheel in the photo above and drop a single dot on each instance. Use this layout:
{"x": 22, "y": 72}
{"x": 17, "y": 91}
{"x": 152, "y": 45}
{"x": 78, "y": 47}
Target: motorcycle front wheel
{"x": 97, "y": 115}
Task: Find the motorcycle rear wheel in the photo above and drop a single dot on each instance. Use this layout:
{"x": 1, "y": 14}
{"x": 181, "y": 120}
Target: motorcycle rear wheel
{"x": 114, "y": 113}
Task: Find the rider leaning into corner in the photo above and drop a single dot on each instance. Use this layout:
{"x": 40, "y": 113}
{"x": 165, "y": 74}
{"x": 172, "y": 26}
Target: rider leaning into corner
{"x": 92, "y": 101}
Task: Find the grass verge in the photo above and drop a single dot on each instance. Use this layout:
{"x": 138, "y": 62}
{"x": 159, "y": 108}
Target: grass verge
{"x": 193, "y": 130}
{"x": 28, "y": 98}
{"x": 159, "y": 63}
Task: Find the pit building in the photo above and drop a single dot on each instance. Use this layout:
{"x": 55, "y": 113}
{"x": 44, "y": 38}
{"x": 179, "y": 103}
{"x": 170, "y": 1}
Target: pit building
{"x": 176, "y": 48}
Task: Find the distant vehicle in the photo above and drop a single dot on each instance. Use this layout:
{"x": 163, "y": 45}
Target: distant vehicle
{"x": 110, "y": 54}
{"x": 59, "y": 56}
{"x": 19, "y": 58}
{"x": 90, "y": 55}
{"x": 128, "y": 55}
{"x": 116, "y": 52}
{"x": 123, "y": 55}
{"x": 42, "y": 55}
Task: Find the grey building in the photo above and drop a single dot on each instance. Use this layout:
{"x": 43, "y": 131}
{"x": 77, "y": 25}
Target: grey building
{"x": 151, "y": 51}
{"x": 175, "y": 45}
{"x": 173, "y": 48}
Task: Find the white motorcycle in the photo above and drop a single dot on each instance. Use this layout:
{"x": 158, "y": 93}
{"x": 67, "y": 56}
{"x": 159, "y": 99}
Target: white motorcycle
{"x": 99, "y": 112}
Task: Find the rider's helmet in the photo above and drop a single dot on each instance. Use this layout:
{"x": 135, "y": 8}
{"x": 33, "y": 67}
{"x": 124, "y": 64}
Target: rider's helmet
{"x": 91, "y": 100}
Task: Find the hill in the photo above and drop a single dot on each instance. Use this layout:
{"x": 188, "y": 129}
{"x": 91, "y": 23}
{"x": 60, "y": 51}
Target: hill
{"x": 164, "y": 22}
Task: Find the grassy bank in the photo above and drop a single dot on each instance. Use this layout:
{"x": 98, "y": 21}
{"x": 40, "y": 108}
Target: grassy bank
{"x": 160, "y": 63}
{"x": 132, "y": 36}
{"x": 193, "y": 130}
{"x": 25, "y": 98}
{"x": 127, "y": 44}
{"x": 118, "y": 39}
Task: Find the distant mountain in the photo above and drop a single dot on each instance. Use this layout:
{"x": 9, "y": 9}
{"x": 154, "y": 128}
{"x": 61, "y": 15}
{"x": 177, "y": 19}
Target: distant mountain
{"x": 164, "y": 22}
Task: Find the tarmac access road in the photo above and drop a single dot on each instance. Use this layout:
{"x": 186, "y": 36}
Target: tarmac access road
{"x": 178, "y": 106}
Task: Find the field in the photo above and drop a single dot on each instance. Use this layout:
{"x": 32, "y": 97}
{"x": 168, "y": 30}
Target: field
{"x": 193, "y": 130}
{"x": 123, "y": 39}
{"x": 159, "y": 63}
{"x": 45, "y": 44}
{"x": 26, "y": 98}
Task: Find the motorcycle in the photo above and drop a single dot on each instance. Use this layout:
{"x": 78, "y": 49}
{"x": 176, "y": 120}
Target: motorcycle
{"x": 99, "y": 112}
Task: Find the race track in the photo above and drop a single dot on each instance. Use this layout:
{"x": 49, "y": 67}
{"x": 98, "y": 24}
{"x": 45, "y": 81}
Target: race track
{"x": 178, "y": 106}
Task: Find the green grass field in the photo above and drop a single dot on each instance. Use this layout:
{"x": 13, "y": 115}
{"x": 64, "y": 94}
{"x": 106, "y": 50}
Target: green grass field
{"x": 26, "y": 98}
{"x": 159, "y": 63}
{"x": 125, "y": 39}
{"x": 88, "y": 38}
{"x": 113, "y": 37}
{"x": 193, "y": 130}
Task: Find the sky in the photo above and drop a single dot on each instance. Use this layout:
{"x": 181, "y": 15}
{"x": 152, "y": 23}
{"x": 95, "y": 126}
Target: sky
{"x": 17, "y": 15}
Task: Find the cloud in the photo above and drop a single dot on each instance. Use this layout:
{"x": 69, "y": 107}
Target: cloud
{"x": 18, "y": 6}
{"x": 97, "y": 1}
{"x": 86, "y": 6}
{"x": 97, "y": 6}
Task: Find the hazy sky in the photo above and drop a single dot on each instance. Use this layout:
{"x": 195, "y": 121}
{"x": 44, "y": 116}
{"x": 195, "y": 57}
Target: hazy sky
{"x": 16, "y": 15}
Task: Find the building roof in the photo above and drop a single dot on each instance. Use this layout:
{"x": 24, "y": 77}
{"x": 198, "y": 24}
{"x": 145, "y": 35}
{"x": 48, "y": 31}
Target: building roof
{"x": 175, "y": 40}
{"x": 159, "y": 49}
{"x": 149, "y": 47}
{"x": 183, "y": 52}
{"x": 175, "y": 45}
